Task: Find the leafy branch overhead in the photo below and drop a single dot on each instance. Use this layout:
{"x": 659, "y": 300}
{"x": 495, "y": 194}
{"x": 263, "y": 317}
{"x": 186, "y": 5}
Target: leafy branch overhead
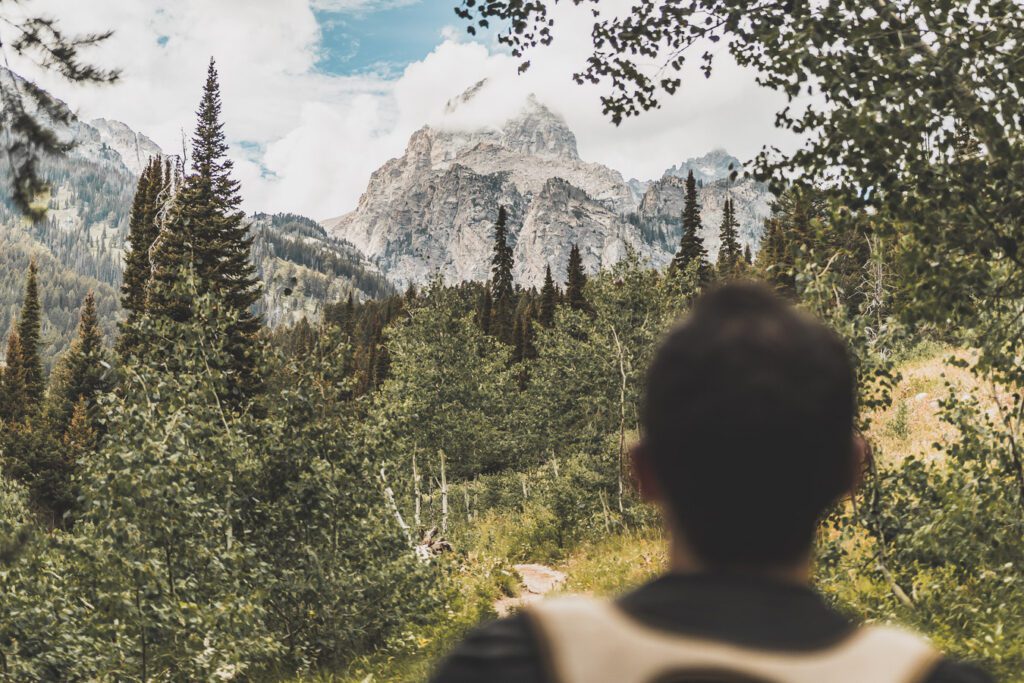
{"x": 910, "y": 109}
{"x": 31, "y": 120}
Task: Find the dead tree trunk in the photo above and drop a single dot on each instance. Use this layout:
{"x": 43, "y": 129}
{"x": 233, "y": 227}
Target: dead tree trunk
{"x": 444, "y": 496}
{"x": 416, "y": 491}
{"x": 622, "y": 417}
{"x": 389, "y": 496}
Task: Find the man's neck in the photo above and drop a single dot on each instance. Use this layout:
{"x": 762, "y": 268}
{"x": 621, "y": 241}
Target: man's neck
{"x": 682, "y": 560}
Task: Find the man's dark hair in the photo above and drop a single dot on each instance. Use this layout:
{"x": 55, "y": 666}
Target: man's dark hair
{"x": 748, "y": 424}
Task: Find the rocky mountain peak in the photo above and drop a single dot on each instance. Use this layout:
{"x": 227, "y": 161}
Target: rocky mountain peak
{"x": 134, "y": 148}
{"x": 532, "y": 130}
{"x": 538, "y": 131}
{"x": 715, "y": 165}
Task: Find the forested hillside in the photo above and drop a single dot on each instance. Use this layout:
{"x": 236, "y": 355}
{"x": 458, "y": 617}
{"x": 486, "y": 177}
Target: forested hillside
{"x": 79, "y": 244}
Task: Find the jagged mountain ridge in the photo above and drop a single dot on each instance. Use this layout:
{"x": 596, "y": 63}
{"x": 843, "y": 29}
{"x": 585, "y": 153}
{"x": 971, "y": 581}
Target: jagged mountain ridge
{"x": 659, "y": 212}
{"x": 432, "y": 210}
{"x": 709, "y": 168}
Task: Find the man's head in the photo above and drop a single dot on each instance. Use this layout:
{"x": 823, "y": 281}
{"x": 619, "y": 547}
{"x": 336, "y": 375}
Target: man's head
{"x": 748, "y": 427}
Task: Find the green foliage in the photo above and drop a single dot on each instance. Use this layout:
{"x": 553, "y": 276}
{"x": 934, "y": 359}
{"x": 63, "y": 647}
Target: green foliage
{"x": 691, "y": 245}
{"x": 576, "y": 281}
{"x": 211, "y": 544}
{"x": 331, "y": 545}
{"x": 730, "y": 256}
{"x": 153, "y": 192}
{"x": 25, "y": 362}
{"x": 206, "y": 234}
{"x": 450, "y": 390}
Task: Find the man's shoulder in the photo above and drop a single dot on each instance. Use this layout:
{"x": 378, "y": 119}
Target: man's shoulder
{"x": 509, "y": 649}
{"x": 500, "y": 651}
{"x": 951, "y": 671}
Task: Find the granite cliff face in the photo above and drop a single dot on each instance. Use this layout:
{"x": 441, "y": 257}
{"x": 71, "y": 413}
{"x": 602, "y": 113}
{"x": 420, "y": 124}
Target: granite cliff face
{"x": 564, "y": 214}
{"x": 432, "y": 211}
{"x": 134, "y": 149}
{"x": 660, "y": 210}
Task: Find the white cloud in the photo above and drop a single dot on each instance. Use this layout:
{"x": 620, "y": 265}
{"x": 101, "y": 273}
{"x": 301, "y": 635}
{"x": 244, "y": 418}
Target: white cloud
{"x": 315, "y": 137}
{"x": 356, "y": 6}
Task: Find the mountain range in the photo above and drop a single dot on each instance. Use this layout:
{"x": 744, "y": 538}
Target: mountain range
{"x": 429, "y": 212}
{"x": 432, "y": 210}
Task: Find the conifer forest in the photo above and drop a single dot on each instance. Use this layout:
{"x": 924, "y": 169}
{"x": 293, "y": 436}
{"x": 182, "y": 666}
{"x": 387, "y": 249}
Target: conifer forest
{"x": 242, "y": 447}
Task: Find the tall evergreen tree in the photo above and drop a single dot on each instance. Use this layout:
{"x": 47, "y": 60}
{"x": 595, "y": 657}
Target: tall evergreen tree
{"x": 730, "y": 254}
{"x": 501, "y": 261}
{"x": 29, "y": 332}
{"x": 502, "y": 287}
{"x": 691, "y": 245}
{"x": 142, "y": 231}
{"x": 791, "y": 226}
{"x": 205, "y": 233}
{"x": 748, "y": 257}
{"x": 576, "y": 281}
{"x": 12, "y": 398}
{"x": 87, "y": 369}
{"x": 548, "y": 299}
{"x": 483, "y": 315}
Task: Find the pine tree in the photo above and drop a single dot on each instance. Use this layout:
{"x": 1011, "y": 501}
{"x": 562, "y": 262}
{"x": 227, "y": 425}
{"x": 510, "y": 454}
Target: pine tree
{"x": 142, "y": 231}
{"x": 80, "y": 438}
{"x": 88, "y": 362}
{"x": 518, "y": 341}
{"x": 29, "y": 332}
{"x": 501, "y": 261}
{"x": 348, "y": 324}
{"x": 691, "y": 245}
{"x": 748, "y": 258}
{"x": 13, "y": 406}
{"x": 548, "y": 299}
{"x": 502, "y": 287}
{"x": 205, "y": 233}
{"x": 729, "y": 252}
{"x": 483, "y": 315}
{"x": 576, "y": 281}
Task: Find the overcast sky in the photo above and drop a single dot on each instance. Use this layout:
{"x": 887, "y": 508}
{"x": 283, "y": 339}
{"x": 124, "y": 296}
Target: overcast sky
{"x": 319, "y": 93}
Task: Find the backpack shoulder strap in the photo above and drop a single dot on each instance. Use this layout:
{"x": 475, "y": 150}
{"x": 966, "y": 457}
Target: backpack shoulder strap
{"x": 590, "y": 641}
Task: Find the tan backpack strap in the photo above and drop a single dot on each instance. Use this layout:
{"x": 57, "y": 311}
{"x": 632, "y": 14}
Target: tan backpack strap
{"x": 588, "y": 641}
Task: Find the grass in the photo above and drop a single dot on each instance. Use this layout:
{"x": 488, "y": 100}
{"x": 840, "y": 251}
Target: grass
{"x": 912, "y": 425}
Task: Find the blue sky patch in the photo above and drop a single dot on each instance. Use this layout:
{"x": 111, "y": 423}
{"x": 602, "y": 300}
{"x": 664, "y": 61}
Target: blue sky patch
{"x": 384, "y": 40}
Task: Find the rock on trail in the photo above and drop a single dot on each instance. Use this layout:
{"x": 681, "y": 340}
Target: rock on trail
{"x": 536, "y": 581}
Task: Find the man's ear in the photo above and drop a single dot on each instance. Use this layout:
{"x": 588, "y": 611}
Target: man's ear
{"x": 646, "y": 480}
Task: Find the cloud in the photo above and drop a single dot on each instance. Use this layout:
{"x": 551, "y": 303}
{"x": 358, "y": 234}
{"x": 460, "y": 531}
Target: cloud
{"x": 312, "y": 139}
{"x": 359, "y": 6}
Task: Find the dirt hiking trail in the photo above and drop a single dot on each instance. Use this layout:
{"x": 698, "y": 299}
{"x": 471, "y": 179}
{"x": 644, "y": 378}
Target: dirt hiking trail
{"x": 536, "y": 581}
